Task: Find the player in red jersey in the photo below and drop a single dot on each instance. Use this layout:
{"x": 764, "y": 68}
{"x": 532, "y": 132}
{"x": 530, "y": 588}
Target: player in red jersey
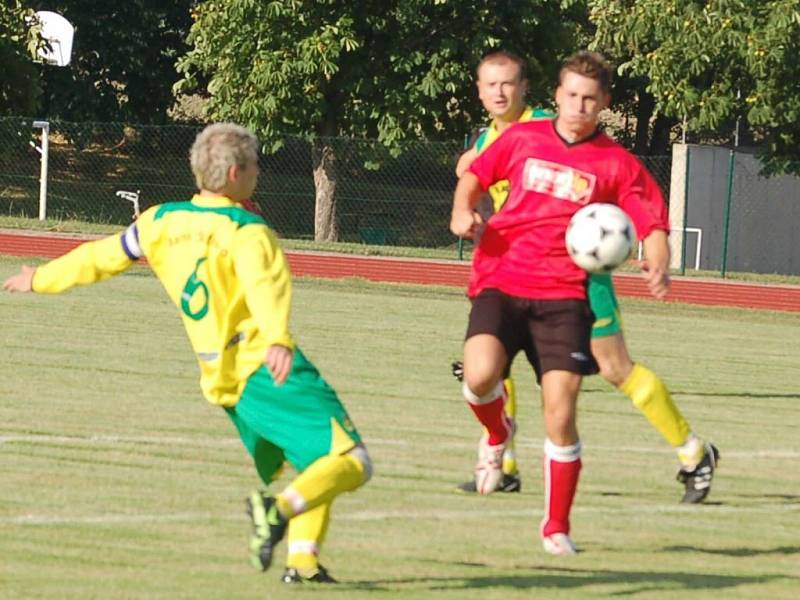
{"x": 527, "y": 293}
{"x": 502, "y": 86}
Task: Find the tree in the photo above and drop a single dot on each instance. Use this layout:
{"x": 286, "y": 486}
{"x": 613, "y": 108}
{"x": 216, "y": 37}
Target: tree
{"x": 393, "y": 70}
{"x": 19, "y": 77}
{"x": 713, "y": 63}
{"x": 123, "y": 61}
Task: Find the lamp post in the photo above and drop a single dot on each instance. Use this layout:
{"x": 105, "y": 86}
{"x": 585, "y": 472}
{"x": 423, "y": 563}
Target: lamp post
{"x": 44, "y": 152}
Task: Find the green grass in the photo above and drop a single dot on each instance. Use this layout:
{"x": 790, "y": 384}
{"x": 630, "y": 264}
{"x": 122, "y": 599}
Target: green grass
{"x": 58, "y": 225}
{"x": 119, "y": 481}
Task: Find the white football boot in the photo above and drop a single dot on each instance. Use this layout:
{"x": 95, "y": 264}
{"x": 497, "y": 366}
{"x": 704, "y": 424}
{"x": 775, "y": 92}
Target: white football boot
{"x": 559, "y": 544}
{"x": 489, "y": 469}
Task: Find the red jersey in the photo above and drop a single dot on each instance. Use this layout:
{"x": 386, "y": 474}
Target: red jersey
{"x": 522, "y": 250}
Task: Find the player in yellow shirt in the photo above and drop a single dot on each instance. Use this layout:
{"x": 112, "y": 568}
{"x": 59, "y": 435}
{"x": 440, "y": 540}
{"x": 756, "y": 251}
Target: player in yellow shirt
{"x": 225, "y": 272}
{"x": 502, "y": 86}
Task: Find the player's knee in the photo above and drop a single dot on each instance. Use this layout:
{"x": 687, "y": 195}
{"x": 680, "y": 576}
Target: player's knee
{"x": 561, "y": 424}
{"x": 483, "y": 394}
{"x": 614, "y": 370}
{"x": 361, "y": 455}
{"x": 560, "y": 420}
{"x": 481, "y": 379}
{"x": 613, "y": 359}
{"x": 476, "y": 388}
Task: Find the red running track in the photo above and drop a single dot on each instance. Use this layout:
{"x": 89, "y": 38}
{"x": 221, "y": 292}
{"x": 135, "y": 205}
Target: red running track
{"x": 452, "y": 273}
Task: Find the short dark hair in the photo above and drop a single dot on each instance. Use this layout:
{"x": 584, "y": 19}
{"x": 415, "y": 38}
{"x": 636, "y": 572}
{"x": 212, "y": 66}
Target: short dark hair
{"x": 503, "y": 56}
{"x": 589, "y": 64}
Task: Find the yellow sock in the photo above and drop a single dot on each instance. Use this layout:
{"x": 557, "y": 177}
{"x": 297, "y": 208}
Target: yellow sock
{"x": 649, "y": 394}
{"x": 305, "y": 536}
{"x": 321, "y": 482}
{"x": 510, "y": 455}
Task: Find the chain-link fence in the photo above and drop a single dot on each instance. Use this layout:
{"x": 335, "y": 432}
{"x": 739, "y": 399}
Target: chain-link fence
{"x": 399, "y": 200}
{"x": 661, "y": 168}
{"x": 381, "y": 198}
{"x": 87, "y": 164}
{"x": 737, "y": 220}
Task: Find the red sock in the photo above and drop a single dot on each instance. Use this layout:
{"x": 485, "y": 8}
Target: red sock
{"x": 560, "y": 485}
{"x": 493, "y": 418}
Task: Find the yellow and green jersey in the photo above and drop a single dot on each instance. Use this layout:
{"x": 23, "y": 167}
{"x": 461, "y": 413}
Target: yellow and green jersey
{"x": 221, "y": 266}
{"x": 499, "y": 190}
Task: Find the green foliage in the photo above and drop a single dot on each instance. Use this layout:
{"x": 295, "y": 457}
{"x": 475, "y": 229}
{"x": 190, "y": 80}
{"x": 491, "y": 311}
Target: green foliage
{"x": 713, "y": 62}
{"x": 391, "y": 70}
{"x": 19, "y": 78}
{"x": 123, "y": 61}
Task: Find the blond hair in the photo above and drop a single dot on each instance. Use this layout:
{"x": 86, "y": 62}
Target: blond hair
{"x": 589, "y": 64}
{"x": 218, "y": 148}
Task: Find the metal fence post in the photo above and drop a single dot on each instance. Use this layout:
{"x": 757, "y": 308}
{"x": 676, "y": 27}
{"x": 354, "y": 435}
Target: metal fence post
{"x": 44, "y": 151}
{"x": 727, "y": 214}
{"x": 685, "y": 210}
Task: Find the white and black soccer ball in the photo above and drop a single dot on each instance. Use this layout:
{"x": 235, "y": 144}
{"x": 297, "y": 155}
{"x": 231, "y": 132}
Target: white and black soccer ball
{"x": 600, "y": 237}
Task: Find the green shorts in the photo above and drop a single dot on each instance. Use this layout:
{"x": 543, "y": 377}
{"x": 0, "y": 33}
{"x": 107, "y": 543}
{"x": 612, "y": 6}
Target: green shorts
{"x": 605, "y": 307}
{"x": 299, "y": 421}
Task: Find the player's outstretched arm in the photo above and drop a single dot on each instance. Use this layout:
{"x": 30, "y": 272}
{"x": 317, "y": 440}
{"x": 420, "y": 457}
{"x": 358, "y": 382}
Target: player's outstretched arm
{"x": 88, "y": 263}
{"x": 22, "y": 281}
{"x": 655, "y": 267}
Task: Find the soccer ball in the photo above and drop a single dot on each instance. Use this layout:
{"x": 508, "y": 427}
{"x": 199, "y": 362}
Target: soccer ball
{"x": 600, "y": 237}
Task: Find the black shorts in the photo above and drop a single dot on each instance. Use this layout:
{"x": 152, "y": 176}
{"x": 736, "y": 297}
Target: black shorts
{"x": 555, "y": 334}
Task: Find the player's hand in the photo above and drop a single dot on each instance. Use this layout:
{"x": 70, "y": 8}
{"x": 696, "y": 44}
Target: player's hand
{"x": 465, "y": 222}
{"x": 657, "y": 280}
{"x": 279, "y": 362}
{"x": 22, "y": 281}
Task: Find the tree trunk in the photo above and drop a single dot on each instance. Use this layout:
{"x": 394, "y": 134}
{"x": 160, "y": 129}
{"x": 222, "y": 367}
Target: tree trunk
{"x": 326, "y": 218}
{"x": 644, "y": 112}
{"x": 662, "y": 128}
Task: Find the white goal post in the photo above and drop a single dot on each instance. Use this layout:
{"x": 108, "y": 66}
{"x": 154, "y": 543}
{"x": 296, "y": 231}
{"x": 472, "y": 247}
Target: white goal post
{"x": 685, "y": 230}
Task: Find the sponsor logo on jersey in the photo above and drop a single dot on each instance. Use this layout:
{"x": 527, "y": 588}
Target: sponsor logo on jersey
{"x": 559, "y": 181}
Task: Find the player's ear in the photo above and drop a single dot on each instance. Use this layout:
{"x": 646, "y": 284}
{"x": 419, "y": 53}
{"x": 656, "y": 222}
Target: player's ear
{"x": 233, "y": 172}
{"x": 557, "y": 95}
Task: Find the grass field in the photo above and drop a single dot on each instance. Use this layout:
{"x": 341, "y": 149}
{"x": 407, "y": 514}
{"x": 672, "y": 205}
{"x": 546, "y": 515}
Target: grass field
{"x": 120, "y": 481}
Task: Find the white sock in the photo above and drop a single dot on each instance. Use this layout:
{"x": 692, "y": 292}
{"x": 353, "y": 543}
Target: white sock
{"x": 691, "y": 452}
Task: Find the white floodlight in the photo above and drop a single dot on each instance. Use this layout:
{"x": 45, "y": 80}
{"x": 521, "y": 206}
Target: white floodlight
{"x": 58, "y": 32}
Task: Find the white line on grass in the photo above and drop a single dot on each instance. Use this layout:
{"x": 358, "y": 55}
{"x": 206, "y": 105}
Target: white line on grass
{"x": 120, "y": 439}
{"x": 362, "y": 515}
{"x": 209, "y": 442}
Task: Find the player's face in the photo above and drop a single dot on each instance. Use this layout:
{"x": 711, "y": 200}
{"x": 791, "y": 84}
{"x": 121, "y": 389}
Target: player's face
{"x": 243, "y": 181}
{"x": 580, "y": 100}
{"x": 500, "y": 89}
